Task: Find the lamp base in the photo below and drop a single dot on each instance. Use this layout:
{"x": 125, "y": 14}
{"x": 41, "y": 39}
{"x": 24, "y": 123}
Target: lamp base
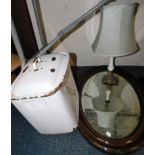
{"x": 110, "y": 79}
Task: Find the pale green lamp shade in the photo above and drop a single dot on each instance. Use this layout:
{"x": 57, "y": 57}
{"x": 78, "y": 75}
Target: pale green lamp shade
{"x": 116, "y": 35}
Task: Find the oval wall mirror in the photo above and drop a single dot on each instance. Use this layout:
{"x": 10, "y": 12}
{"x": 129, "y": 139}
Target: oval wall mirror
{"x": 117, "y": 126}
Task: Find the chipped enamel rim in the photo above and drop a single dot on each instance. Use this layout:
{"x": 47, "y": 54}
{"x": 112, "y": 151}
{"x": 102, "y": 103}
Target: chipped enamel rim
{"x": 62, "y": 83}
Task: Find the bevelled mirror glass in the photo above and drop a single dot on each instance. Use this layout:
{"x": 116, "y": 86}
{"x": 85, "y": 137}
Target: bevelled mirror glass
{"x": 120, "y": 116}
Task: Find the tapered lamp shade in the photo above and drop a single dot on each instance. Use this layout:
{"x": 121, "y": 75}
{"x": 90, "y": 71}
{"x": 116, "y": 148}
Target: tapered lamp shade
{"x": 116, "y": 35}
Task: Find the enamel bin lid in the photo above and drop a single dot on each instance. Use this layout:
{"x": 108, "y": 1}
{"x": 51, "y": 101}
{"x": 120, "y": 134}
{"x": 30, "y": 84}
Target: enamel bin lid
{"x": 41, "y": 76}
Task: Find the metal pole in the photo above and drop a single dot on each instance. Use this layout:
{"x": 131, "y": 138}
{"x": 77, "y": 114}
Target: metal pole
{"x": 40, "y": 23}
{"x": 73, "y": 26}
{"x": 17, "y": 44}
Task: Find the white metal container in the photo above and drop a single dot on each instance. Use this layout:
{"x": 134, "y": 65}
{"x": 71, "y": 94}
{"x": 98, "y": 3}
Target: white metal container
{"x": 46, "y": 95}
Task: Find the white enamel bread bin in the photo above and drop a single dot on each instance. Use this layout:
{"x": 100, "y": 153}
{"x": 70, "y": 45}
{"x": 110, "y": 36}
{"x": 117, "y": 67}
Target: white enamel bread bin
{"x": 46, "y": 95}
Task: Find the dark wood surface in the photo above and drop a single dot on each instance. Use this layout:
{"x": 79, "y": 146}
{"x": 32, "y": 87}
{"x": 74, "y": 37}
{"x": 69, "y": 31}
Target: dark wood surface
{"x": 20, "y": 15}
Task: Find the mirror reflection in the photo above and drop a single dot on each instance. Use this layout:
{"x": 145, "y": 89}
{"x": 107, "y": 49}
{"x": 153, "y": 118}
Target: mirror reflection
{"x": 120, "y": 116}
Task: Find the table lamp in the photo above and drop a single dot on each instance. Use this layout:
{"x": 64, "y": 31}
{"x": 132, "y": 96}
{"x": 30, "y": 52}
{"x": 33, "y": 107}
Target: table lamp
{"x": 116, "y": 37}
{"x": 111, "y": 102}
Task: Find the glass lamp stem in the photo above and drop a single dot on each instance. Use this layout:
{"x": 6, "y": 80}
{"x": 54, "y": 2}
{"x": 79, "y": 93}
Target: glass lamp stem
{"x": 111, "y": 64}
{"x": 108, "y": 94}
{"x": 108, "y": 88}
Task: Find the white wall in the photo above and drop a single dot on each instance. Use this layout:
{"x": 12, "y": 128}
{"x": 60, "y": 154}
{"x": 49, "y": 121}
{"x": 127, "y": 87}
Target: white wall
{"x": 59, "y": 13}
